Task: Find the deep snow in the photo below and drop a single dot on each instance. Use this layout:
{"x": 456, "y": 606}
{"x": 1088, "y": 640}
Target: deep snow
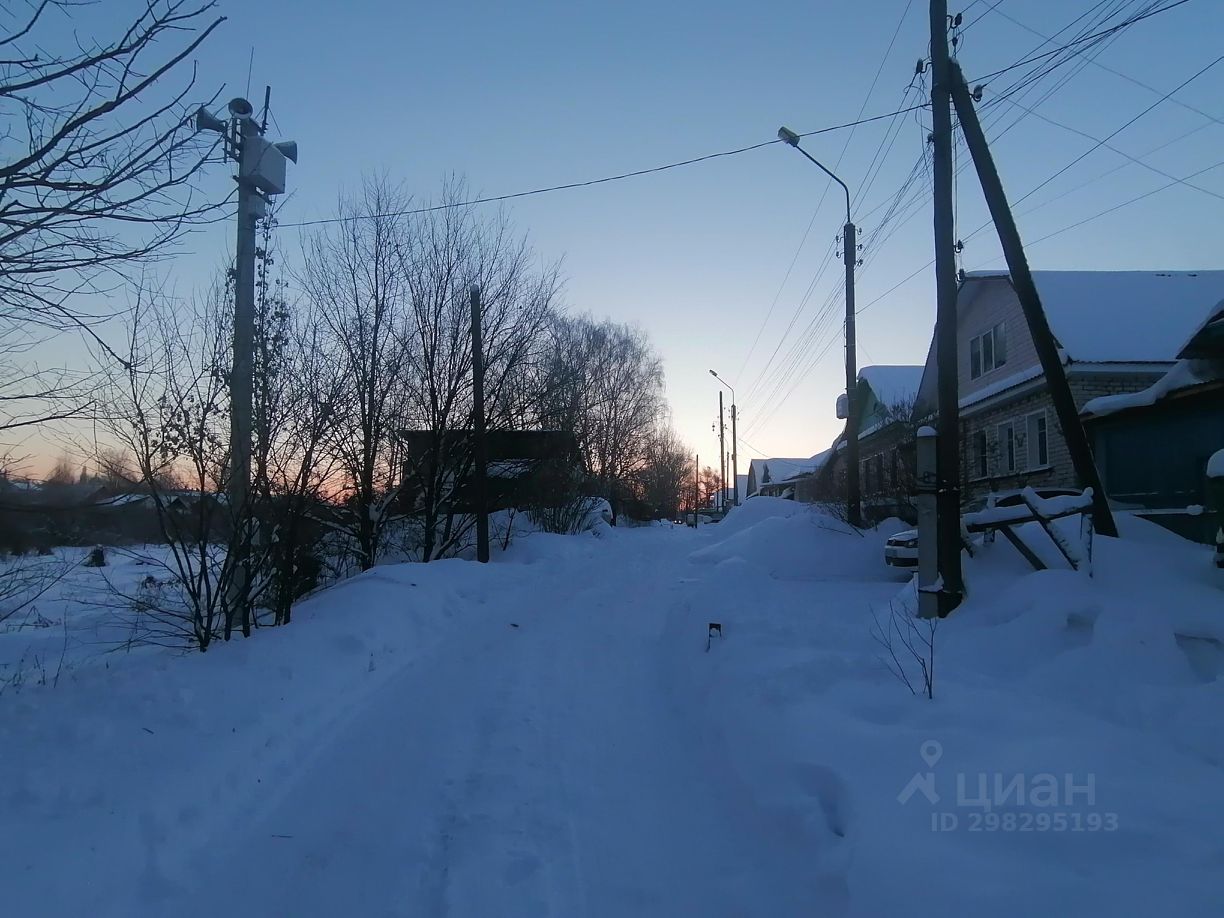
{"x": 548, "y": 735}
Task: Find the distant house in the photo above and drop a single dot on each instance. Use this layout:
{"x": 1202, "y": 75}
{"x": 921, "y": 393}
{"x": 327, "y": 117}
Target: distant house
{"x": 1117, "y": 331}
{"x": 1152, "y": 446}
{"x": 526, "y": 467}
{"x": 777, "y": 477}
{"x": 884, "y": 402}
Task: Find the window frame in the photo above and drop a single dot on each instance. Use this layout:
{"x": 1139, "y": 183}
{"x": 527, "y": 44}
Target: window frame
{"x": 1037, "y": 439}
{"x": 993, "y": 339}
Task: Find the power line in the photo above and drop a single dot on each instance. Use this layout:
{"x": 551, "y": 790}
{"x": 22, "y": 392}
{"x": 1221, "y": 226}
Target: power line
{"x": 1106, "y": 32}
{"x": 1108, "y": 146}
{"x": 589, "y": 182}
{"x": 1121, "y": 73}
{"x": 1100, "y": 143}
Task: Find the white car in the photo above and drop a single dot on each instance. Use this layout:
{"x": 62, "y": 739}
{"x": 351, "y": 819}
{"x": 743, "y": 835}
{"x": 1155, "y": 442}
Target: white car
{"x": 901, "y": 550}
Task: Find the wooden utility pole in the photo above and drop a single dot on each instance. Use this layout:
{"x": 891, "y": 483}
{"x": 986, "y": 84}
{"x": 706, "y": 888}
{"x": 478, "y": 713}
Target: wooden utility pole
{"x": 734, "y": 452}
{"x": 722, "y": 454}
{"x": 947, "y": 454}
{"x": 1026, "y": 291}
{"x": 853, "y": 488}
{"x": 480, "y": 447}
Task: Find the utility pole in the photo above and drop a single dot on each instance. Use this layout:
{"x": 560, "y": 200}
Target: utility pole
{"x": 242, "y": 379}
{"x": 734, "y": 455}
{"x": 480, "y": 446}
{"x": 722, "y": 453}
{"x": 261, "y": 172}
{"x": 1030, "y": 302}
{"x": 853, "y": 497}
{"x": 947, "y": 455}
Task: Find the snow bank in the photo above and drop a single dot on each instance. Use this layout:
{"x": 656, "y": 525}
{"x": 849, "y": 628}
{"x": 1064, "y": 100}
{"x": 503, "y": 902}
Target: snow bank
{"x": 1215, "y": 465}
{"x": 1113, "y": 684}
{"x": 794, "y": 541}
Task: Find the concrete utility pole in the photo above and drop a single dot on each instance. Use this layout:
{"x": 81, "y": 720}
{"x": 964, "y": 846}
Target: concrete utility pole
{"x": 722, "y": 453}
{"x": 261, "y": 172}
{"x": 480, "y": 446}
{"x": 734, "y": 439}
{"x": 1030, "y": 302}
{"x": 947, "y": 454}
{"x": 850, "y": 256}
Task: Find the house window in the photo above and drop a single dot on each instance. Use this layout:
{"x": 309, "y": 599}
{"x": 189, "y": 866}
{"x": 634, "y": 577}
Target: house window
{"x": 1038, "y": 442}
{"x": 981, "y": 448}
{"x": 988, "y": 351}
{"x": 1007, "y": 447}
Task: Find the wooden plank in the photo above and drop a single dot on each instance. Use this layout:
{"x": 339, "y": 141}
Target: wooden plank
{"x": 1029, "y": 556}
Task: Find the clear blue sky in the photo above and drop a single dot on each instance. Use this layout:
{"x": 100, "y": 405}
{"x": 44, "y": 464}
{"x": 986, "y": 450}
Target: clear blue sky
{"x": 517, "y": 96}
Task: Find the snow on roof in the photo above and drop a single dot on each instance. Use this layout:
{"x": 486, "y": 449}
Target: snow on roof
{"x": 1185, "y": 374}
{"x": 893, "y": 385}
{"x": 783, "y": 470}
{"x": 1106, "y": 316}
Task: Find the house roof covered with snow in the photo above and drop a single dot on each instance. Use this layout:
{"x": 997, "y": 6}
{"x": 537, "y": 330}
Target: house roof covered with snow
{"x": 781, "y": 469}
{"x": 1122, "y": 316}
{"x": 1201, "y": 363}
{"x": 893, "y": 385}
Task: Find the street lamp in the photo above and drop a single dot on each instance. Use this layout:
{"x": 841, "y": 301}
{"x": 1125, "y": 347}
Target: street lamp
{"x": 734, "y": 448}
{"x": 850, "y": 255}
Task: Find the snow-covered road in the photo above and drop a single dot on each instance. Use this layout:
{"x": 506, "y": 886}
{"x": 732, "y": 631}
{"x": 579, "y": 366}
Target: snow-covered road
{"x": 546, "y": 735}
{"x": 532, "y": 770}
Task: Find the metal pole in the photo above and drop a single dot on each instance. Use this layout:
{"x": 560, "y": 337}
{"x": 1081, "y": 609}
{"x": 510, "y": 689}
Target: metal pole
{"x": 734, "y": 454}
{"x": 241, "y": 382}
{"x": 1030, "y": 302}
{"x": 722, "y": 453}
{"x": 853, "y": 497}
{"x": 480, "y": 448}
{"x": 947, "y": 449}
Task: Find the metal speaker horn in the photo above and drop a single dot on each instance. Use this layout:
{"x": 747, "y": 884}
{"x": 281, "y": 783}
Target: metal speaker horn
{"x": 240, "y": 108}
{"x": 207, "y": 121}
{"x": 288, "y": 149}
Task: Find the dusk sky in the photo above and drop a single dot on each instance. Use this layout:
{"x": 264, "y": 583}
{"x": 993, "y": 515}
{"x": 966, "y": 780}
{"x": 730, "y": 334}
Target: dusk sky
{"x": 514, "y": 97}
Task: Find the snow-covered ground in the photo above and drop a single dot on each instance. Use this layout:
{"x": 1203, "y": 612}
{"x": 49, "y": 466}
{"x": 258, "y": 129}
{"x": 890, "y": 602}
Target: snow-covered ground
{"x": 549, "y": 735}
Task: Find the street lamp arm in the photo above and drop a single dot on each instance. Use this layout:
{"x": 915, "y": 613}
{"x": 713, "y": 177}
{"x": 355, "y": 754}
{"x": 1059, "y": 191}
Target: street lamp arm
{"x": 830, "y": 175}
{"x": 714, "y": 373}
{"x": 790, "y": 138}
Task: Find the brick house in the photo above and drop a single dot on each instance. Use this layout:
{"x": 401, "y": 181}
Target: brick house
{"x": 1117, "y": 332}
{"x": 884, "y": 402}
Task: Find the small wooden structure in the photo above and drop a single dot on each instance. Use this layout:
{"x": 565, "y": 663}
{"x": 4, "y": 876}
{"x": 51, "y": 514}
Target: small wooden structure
{"x": 1043, "y": 511}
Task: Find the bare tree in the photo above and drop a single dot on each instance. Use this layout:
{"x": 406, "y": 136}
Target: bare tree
{"x": 664, "y": 481}
{"x": 169, "y": 409}
{"x": 98, "y": 174}
{"x": 452, "y": 249}
{"x": 605, "y": 384}
{"x": 299, "y": 388}
{"x": 908, "y": 643}
{"x": 353, "y": 275}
